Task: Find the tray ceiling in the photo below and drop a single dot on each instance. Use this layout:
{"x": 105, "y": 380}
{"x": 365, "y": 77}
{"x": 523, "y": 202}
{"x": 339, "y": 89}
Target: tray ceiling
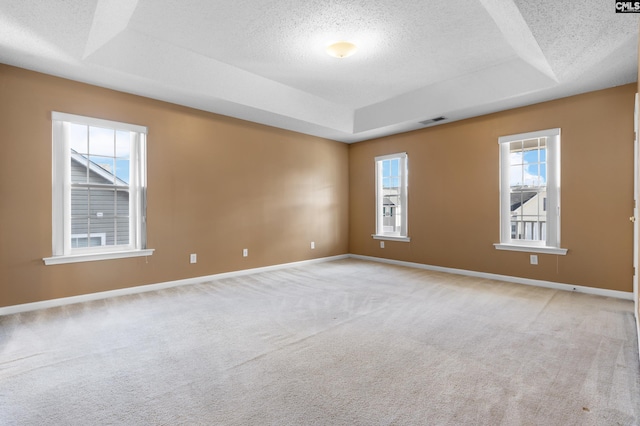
{"x": 264, "y": 60}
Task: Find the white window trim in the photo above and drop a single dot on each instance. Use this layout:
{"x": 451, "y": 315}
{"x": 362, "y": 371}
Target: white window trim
{"x": 530, "y": 248}
{"x": 61, "y": 195}
{"x": 90, "y": 257}
{"x": 390, "y": 238}
{"x": 403, "y": 234}
{"x": 552, "y": 244}
{"x": 97, "y": 122}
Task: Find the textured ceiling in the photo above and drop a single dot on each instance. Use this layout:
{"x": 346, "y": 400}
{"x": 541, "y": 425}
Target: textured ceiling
{"x": 264, "y": 60}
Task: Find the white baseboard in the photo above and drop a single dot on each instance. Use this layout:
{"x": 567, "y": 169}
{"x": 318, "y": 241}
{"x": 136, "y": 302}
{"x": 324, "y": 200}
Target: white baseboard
{"x": 7, "y": 310}
{"x": 517, "y": 280}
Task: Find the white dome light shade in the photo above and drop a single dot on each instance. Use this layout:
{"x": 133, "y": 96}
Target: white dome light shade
{"x": 341, "y": 49}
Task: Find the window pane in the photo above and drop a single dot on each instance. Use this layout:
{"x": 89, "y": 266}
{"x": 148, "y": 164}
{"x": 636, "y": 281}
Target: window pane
{"x": 101, "y": 141}
{"x": 391, "y": 216}
{"x": 123, "y": 142}
{"x": 524, "y": 179}
{"x": 516, "y": 175}
{"x": 106, "y": 226}
{"x": 79, "y": 168}
{"x": 79, "y": 225}
{"x": 105, "y": 163}
{"x": 122, "y": 171}
{"x": 123, "y": 156}
{"x": 543, "y": 153}
{"x": 78, "y": 141}
{"x": 527, "y": 180}
{"x": 79, "y": 202}
{"x": 122, "y": 204}
{"x": 532, "y": 175}
{"x": 100, "y": 216}
{"x": 96, "y": 241}
{"x": 79, "y": 241}
{"x": 395, "y": 164}
{"x": 122, "y": 228}
{"x": 102, "y": 202}
{"x": 530, "y": 156}
{"x": 516, "y": 152}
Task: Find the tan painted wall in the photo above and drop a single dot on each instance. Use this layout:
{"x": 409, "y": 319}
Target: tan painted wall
{"x": 454, "y": 193}
{"x": 216, "y": 185}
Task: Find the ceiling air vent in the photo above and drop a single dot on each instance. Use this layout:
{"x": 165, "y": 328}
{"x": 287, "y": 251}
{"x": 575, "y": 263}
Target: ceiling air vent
{"x": 432, "y": 120}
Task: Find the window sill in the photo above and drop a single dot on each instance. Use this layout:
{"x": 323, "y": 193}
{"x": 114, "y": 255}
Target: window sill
{"x": 90, "y": 257}
{"x": 390, "y": 238}
{"x": 531, "y": 249}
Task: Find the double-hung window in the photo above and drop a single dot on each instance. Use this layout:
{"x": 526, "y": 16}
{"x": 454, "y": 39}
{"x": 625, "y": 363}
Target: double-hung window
{"x": 530, "y": 192}
{"x": 99, "y": 189}
{"x": 391, "y": 197}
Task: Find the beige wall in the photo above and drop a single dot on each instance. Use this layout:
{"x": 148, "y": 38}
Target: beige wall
{"x": 454, "y": 192}
{"x": 216, "y": 185}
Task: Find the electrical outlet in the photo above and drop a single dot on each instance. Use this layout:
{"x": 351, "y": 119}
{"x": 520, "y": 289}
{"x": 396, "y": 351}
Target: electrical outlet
{"x": 381, "y": 244}
{"x": 193, "y": 258}
{"x": 313, "y": 245}
{"x": 533, "y": 259}
{"x": 245, "y": 252}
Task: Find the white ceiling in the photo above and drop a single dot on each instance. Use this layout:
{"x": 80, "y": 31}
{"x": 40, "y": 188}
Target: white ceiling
{"x": 264, "y": 60}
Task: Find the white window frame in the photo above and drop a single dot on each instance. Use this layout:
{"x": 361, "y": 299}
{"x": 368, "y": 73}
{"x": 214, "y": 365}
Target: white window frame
{"x": 402, "y": 234}
{"x": 61, "y": 194}
{"x": 552, "y": 243}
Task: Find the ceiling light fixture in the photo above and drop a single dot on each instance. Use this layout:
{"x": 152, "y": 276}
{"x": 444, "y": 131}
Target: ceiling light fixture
{"x": 341, "y": 49}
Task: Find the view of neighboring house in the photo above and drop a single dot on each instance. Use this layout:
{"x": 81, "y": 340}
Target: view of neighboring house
{"x": 99, "y": 205}
{"x": 391, "y": 220}
{"x": 529, "y": 213}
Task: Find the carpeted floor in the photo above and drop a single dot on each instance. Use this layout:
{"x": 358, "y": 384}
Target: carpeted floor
{"x": 340, "y": 343}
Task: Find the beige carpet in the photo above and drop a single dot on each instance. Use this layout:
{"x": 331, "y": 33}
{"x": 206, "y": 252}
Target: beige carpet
{"x": 341, "y": 343}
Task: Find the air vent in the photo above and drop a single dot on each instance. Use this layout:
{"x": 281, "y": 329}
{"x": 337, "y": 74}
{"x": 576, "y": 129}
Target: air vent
{"x": 433, "y": 120}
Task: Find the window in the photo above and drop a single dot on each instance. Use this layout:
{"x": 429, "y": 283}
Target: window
{"x": 391, "y": 197}
{"x": 99, "y": 189}
{"x": 530, "y": 192}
